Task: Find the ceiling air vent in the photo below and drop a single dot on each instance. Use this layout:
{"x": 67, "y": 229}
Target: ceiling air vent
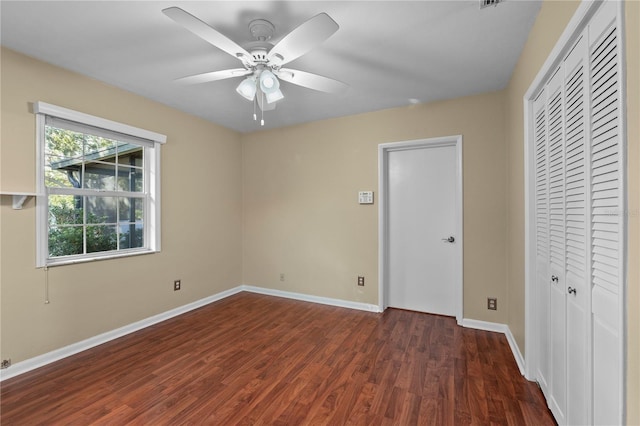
{"x": 487, "y": 3}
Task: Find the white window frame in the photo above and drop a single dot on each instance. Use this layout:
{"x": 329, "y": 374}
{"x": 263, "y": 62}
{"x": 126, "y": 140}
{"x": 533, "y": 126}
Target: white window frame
{"x": 152, "y": 185}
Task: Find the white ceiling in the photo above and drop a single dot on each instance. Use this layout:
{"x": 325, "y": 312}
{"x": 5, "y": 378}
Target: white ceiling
{"x": 391, "y": 53}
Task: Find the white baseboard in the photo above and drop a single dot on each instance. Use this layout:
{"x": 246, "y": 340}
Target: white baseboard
{"x": 49, "y": 357}
{"x": 516, "y": 351}
{"x": 58, "y": 354}
{"x": 498, "y": 328}
{"x": 314, "y": 299}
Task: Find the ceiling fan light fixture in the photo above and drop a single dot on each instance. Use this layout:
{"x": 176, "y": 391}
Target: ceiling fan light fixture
{"x": 274, "y": 96}
{"x": 247, "y": 88}
{"x": 268, "y": 82}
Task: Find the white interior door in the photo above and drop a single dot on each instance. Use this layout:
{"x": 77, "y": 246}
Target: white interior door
{"x": 421, "y": 218}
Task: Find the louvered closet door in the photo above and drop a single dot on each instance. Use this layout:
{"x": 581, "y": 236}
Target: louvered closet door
{"x": 557, "y": 293}
{"x": 542, "y": 238}
{"x": 561, "y": 211}
{"x": 579, "y": 219}
{"x": 607, "y": 213}
{"x": 576, "y": 276}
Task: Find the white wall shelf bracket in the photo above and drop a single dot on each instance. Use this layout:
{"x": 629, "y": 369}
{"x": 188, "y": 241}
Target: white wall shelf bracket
{"x": 18, "y": 198}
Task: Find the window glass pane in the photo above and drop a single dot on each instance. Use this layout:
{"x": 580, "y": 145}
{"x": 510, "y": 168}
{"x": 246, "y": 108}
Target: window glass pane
{"x": 99, "y": 176}
{"x": 101, "y": 209}
{"x": 131, "y": 235}
{"x": 65, "y": 210}
{"x": 63, "y": 143}
{"x": 130, "y": 209}
{"x": 101, "y": 149}
{"x": 130, "y": 179}
{"x": 65, "y": 240}
{"x": 129, "y": 154}
{"x": 101, "y": 238}
{"x": 60, "y": 172}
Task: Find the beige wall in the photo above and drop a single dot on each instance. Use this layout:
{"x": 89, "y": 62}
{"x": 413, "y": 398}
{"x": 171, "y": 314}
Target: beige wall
{"x": 552, "y": 20}
{"x": 301, "y": 215}
{"x": 201, "y": 217}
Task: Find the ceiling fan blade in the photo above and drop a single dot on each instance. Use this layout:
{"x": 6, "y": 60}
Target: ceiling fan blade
{"x": 207, "y": 33}
{"x": 302, "y": 39}
{"x": 312, "y": 81}
{"x": 213, "y": 76}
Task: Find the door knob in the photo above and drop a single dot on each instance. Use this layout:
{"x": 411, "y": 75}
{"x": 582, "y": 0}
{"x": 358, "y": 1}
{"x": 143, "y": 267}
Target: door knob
{"x": 554, "y": 278}
{"x": 449, "y": 240}
{"x": 572, "y": 290}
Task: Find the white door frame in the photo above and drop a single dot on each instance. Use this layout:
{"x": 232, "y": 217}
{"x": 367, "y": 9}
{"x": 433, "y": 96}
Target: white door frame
{"x": 383, "y": 208}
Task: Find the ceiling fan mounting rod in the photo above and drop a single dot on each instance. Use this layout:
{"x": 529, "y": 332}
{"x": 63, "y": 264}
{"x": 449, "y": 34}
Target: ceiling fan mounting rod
{"x": 261, "y": 29}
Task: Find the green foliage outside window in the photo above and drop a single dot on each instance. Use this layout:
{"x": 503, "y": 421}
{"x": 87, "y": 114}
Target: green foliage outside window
{"x": 66, "y": 240}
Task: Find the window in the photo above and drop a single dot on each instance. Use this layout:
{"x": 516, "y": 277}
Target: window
{"x": 98, "y": 187}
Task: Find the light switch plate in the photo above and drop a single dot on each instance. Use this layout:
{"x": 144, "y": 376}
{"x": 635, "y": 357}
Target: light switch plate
{"x": 365, "y": 197}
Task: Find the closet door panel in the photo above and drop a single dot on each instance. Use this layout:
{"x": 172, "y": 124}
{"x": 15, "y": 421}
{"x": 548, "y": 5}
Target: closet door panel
{"x": 557, "y": 303}
{"x": 576, "y": 226}
{"x": 606, "y": 391}
{"x": 543, "y": 276}
{"x": 607, "y": 209}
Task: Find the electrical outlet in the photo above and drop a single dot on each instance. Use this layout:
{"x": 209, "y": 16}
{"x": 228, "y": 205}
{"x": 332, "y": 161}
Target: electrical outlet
{"x": 360, "y": 281}
{"x": 281, "y": 276}
{"x": 492, "y": 303}
{"x": 177, "y": 285}
{"x": 6, "y": 363}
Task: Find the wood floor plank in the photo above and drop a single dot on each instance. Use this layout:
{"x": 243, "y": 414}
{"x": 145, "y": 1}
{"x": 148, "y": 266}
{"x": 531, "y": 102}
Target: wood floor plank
{"x": 255, "y": 359}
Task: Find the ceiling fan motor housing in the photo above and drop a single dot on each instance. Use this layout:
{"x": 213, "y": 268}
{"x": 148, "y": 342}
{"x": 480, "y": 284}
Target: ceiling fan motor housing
{"x": 259, "y": 52}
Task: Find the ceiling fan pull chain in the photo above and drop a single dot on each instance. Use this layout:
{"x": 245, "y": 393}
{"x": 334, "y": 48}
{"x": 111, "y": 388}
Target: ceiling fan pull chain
{"x": 255, "y": 116}
{"x": 262, "y": 120}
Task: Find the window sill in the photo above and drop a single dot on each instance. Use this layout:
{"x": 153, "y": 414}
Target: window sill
{"x": 89, "y": 258}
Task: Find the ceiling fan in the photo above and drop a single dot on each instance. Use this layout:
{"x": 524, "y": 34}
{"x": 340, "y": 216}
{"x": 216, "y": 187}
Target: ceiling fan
{"x": 261, "y": 60}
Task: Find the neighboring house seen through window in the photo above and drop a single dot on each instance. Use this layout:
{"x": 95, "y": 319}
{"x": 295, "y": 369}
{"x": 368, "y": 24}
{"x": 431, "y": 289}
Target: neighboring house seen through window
{"x": 98, "y": 189}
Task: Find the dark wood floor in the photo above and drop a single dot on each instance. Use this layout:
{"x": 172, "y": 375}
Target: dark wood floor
{"x": 254, "y": 359}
